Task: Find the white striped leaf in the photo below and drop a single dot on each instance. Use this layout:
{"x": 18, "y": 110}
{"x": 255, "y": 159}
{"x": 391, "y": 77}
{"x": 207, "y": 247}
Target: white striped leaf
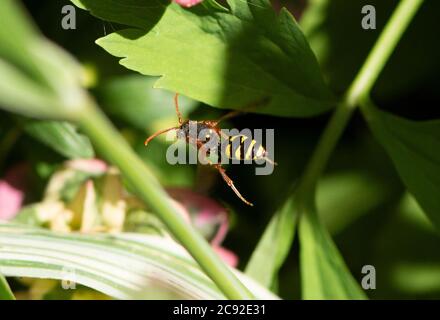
{"x": 123, "y": 266}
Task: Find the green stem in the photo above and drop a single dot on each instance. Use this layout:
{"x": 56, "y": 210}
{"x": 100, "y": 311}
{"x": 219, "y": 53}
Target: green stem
{"x": 114, "y": 147}
{"x": 358, "y": 90}
{"x": 5, "y": 290}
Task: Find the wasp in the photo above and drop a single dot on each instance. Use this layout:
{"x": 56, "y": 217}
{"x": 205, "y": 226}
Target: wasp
{"x": 243, "y": 151}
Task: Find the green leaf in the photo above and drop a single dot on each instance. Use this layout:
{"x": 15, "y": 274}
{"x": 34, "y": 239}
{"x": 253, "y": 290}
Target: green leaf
{"x": 123, "y": 266}
{"x": 414, "y": 148}
{"x": 133, "y": 99}
{"x": 143, "y": 14}
{"x": 61, "y": 137}
{"x": 324, "y": 274}
{"x": 225, "y": 59}
{"x": 274, "y": 246}
{"x": 78, "y": 4}
{"x": 5, "y": 291}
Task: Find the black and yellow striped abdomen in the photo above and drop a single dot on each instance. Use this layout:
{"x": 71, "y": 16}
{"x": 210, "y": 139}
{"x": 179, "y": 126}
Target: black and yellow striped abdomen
{"x": 245, "y": 149}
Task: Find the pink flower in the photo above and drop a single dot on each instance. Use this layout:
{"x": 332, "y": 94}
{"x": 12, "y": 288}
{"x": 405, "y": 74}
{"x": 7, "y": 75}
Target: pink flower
{"x": 227, "y": 256}
{"x": 208, "y": 217}
{"x": 188, "y": 3}
{"x": 12, "y": 188}
{"x": 96, "y": 166}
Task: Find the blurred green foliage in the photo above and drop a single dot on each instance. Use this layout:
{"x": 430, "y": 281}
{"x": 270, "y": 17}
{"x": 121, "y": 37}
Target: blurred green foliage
{"x": 361, "y": 200}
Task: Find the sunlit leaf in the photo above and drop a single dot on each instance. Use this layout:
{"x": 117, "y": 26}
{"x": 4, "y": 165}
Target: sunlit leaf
{"x": 226, "y": 59}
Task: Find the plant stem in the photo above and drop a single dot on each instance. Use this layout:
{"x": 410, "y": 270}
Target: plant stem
{"x": 116, "y": 150}
{"x": 359, "y": 89}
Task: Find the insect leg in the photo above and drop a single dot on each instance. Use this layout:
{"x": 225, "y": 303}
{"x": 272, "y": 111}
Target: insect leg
{"x": 230, "y": 183}
{"x": 270, "y": 161}
{"x": 225, "y": 177}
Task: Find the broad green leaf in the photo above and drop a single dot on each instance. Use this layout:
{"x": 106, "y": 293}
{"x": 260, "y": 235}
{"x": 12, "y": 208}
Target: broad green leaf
{"x": 133, "y": 99}
{"x": 5, "y": 291}
{"x": 274, "y": 246}
{"x": 324, "y": 274}
{"x": 142, "y": 14}
{"x": 414, "y": 148}
{"x": 78, "y": 4}
{"x": 61, "y": 137}
{"x": 229, "y": 59}
{"x": 123, "y": 266}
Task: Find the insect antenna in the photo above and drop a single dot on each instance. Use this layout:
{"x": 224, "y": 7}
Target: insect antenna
{"x": 176, "y": 103}
{"x": 158, "y": 133}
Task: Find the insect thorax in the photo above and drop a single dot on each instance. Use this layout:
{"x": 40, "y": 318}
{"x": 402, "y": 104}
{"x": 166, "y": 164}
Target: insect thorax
{"x": 191, "y": 127}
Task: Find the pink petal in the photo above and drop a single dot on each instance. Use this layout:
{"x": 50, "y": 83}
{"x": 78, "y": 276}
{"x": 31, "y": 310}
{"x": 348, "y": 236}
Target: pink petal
{"x": 10, "y": 200}
{"x": 204, "y": 210}
{"x": 188, "y": 3}
{"x": 227, "y": 256}
{"x": 88, "y": 165}
{"x": 182, "y": 210}
{"x": 12, "y": 191}
{"x": 221, "y": 233}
